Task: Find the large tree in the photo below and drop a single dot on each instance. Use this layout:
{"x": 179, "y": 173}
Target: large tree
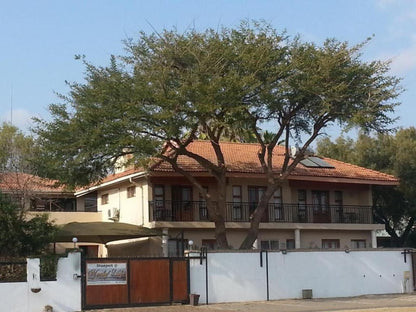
{"x": 393, "y": 154}
{"x": 171, "y": 88}
{"x": 327, "y": 85}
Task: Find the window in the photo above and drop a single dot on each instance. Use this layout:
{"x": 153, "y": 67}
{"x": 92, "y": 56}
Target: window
{"x": 302, "y": 206}
{"x": 104, "y": 199}
{"x": 254, "y": 195}
{"x": 320, "y": 203}
{"x": 330, "y": 243}
{"x": 203, "y": 212}
{"x": 358, "y": 243}
{"x": 269, "y": 245}
{"x": 158, "y": 193}
{"x": 131, "y": 191}
{"x": 176, "y": 247}
{"x": 290, "y": 244}
{"x": 182, "y": 203}
{"x": 277, "y": 205}
{"x": 159, "y": 212}
{"x": 90, "y": 202}
{"x": 237, "y": 209}
{"x": 210, "y": 243}
{"x": 338, "y": 200}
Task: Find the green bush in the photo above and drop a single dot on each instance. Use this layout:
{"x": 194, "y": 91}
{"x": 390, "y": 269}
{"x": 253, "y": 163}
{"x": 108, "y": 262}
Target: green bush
{"x": 48, "y": 267}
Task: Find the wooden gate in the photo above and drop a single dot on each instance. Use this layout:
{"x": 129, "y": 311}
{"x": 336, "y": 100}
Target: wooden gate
{"x": 122, "y": 282}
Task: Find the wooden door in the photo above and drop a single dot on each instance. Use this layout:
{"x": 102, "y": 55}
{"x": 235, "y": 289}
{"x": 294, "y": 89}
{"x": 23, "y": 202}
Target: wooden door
{"x": 134, "y": 282}
{"x": 106, "y": 283}
{"x": 182, "y": 203}
{"x": 320, "y": 206}
{"x": 149, "y": 281}
{"x": 180, "y": 279}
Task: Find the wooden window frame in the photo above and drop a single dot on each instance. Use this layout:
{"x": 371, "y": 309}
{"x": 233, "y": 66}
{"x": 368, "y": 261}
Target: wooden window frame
{"x": 131, "y": 191}
{"x": 203, "y": 210}
{"x": 278, "y": 205}
{"x": 358, "y": 241}
{"x": 237, "y": 211}
{"x": 105, "y": 199}
{"x": 272, "y": 244}
{"x": 330, "y": 241}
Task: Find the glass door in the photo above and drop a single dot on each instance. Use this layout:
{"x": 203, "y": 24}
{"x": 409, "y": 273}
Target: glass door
{"x": 254, "y": 196}
{"x": 320, "y": 204}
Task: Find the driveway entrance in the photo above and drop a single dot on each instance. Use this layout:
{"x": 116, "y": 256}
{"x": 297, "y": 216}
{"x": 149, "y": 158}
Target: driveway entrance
{"x": 123, "y": 282}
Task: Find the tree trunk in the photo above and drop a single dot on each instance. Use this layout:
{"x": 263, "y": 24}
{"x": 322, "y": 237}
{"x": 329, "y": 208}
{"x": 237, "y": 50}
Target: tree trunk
{"x": 220, "y": 214}
{"x": 256, "y": 218}
{"x": 216, "y": 213}
{"x": 220, "y": 233}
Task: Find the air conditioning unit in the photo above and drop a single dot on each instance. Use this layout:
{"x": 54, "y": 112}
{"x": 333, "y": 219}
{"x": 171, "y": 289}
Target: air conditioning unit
{"x": 114, "y": 214}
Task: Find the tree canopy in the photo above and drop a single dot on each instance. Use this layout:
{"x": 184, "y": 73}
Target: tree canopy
{"x": 21, "y": 236}
{"x": 16, "y": 150}
{"x": 389, "y": 153}
{"x": 172, "y": 87}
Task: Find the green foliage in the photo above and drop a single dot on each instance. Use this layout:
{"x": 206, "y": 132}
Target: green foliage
{"x": 171, "y": 88}
{"x": 389, "y": 153}
{"x": 21, "y": 236}
{"x": 16, "y": 150}
{"x": 48, "y": 266}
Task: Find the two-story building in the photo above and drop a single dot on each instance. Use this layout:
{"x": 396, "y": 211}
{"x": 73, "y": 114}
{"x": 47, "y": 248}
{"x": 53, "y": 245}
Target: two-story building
{"x": 325, "y": 203}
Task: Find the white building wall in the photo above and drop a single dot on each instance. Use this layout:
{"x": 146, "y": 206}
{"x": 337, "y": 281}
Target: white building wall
{"x": 234, "y": 277}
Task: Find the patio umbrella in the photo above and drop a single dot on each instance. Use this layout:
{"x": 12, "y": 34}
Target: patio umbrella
{"x": 102, "y": 232}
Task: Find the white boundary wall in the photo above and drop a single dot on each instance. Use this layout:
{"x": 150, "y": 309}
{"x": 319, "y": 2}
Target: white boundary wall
{"x": 234, "y": 277}
{"x": 63, "y": 295}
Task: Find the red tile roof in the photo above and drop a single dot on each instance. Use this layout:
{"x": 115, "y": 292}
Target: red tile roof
{"x": 14, "y": 181}
{"x": 242, "y": 158}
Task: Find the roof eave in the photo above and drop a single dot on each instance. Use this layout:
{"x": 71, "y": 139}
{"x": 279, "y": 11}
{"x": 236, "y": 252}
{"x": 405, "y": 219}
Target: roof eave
{"x": 109, "y": 183}
{"x": 345, "y": 180}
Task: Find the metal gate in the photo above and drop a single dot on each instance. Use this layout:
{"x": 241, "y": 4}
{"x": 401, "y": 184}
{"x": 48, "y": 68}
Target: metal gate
{"x": 122, "y": 282}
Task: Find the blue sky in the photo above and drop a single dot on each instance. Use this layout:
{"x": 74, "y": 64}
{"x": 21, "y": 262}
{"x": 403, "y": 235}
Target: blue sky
{"x": 40, "y": 38}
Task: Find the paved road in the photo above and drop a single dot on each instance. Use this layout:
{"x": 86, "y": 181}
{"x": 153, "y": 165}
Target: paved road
{"x": 376, "y": 303}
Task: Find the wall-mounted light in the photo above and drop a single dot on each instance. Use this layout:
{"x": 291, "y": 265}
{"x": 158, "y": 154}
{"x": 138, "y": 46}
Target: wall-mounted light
{"x": 284, "y": 251}
{"x": 347, "y": 250}
{"x": 75, "y": 240}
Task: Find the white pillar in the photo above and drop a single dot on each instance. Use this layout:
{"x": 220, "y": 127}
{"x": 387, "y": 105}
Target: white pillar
{"x": 373, "y": 239}
{"x": 165, "y": 239}
{"x": 297, "y": 238}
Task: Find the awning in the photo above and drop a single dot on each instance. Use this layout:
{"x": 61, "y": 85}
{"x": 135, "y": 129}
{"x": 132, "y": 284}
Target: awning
{"x": 102, "y": 232}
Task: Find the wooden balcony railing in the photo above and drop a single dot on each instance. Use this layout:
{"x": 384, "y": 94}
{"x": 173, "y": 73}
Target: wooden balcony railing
{"x": 241, "y": 212}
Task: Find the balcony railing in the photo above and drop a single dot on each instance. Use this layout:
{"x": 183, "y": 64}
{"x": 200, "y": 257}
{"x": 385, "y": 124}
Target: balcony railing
{"x": 241, "y": 212}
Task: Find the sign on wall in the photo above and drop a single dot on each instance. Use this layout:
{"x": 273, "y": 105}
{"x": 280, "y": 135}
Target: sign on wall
{"x": 107, "y": 273}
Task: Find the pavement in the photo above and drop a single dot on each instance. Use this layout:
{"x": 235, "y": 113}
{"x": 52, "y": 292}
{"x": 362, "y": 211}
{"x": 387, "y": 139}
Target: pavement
{"x": 367, "y": 303}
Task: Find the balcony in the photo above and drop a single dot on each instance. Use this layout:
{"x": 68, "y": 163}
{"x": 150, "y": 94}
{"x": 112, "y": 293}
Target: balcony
{"x": 240, "y": 212}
